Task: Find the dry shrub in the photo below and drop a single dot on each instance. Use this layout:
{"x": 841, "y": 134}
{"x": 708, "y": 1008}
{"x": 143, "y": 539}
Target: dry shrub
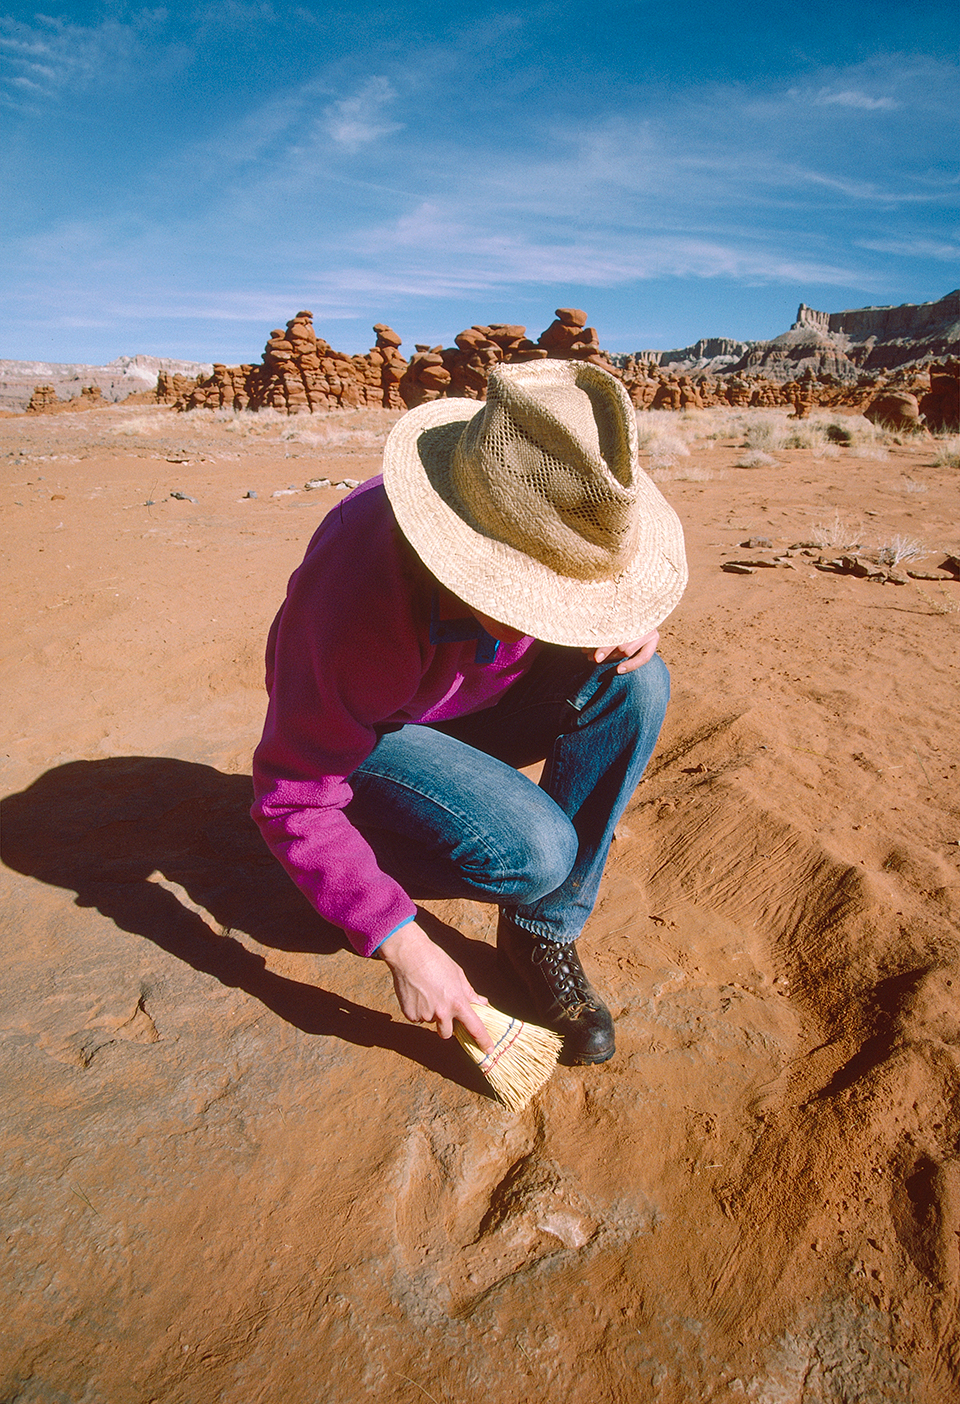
{"x": 144, "y": 424}
{"x": 901, "y": 548}
{"x": 756, "y": 458}
{"x": 820, "y": 432}
{"x": 948, "y": 453}
{"x": 838, "y": 533}
{"x": 945, "y": 605}
{"x": 661, "y": 433}
{"x": 770, "y": 432}
{"x": 666, "y": 471}
{"x": 330, "y": 436}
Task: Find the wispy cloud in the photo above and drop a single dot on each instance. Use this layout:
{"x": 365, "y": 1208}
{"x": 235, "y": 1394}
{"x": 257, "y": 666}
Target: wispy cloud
{"x": 850, "y": 97}
{"x": 357, "y": 121}
{"x": 53, "y": 58}
{"x": 914, "y": 248}
{"x": 433, "y": 242}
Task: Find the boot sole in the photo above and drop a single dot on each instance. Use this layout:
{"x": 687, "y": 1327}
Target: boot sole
{"x": 586, "y": 1060}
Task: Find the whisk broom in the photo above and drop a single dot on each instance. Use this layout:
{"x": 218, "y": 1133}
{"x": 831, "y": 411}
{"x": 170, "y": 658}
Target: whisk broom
{"x": 521, "y": 1060}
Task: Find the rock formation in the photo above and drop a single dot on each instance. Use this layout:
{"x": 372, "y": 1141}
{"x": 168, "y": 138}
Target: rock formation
{"x": 300, "y": 372}
{"x": 940, "y": 407}
{"x": 44, "y": 400}
{"x": 936, "y": 408}
{"x": 711, "y": 355}
{"x": 425, "y": 378}
{"x": 895, "y": 409}
{"x": 44, "y": 397}
{"x": 171, "y": 386}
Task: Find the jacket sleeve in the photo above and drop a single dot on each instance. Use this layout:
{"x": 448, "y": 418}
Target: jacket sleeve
{"x": 345, "y": 654}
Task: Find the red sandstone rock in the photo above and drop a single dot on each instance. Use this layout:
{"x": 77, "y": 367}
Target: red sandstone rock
{"x": 424, "y": 379}
{"x": 940, "y": 406}
{"x": 300, "y": 372}
{"x": 558, "y": 338}
{"x": 896, "y": 410}
{"x": 667, "y": 395}
{"x": 386, "y": 336}
{"x": 42, "y": 399}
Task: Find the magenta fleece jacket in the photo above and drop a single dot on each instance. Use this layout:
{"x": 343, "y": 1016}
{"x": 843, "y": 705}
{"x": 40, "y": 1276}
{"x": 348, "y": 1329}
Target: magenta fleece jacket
{"x": 355, "y": 648}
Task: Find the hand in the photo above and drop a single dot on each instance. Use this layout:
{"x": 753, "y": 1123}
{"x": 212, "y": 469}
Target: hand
{"x": 430, "y": 986}
{"x": 634, "y": 654}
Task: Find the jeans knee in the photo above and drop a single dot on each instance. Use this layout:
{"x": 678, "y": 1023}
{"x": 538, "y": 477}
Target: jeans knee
{"x": 647, "y": 690}
{"x": 549, "y": 852}
{"x": 639, "y": 698}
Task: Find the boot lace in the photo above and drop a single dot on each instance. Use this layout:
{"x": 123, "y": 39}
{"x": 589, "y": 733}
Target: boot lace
{"x": 566, "y": 975}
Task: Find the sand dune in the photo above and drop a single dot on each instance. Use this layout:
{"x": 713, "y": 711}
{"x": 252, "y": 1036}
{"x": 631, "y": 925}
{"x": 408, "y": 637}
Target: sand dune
{"x": 231, "y": 1172}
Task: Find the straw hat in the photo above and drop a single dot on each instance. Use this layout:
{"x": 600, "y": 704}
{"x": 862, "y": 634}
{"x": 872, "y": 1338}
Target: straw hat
{"x": 533, "y": 509}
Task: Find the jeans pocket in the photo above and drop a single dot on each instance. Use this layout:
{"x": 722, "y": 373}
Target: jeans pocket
{"x": 589, "y": 686}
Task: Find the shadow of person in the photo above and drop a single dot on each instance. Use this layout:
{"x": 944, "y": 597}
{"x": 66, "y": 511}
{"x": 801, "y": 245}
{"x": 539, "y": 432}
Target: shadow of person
{"x": 109, "y": 829}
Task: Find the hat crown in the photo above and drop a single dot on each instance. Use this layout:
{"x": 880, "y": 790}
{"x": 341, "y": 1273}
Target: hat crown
{"x": 548, "y": 467}
{"x": 533, "y": 506}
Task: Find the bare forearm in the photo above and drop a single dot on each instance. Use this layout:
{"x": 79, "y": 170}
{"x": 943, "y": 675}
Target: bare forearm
{"x": 430, "y": 986}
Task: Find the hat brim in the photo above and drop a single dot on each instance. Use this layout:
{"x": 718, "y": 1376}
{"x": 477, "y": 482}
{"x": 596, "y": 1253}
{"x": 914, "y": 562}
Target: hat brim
{"x": 507, "y": 584}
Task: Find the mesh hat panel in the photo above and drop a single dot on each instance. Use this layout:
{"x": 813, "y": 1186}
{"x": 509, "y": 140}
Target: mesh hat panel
{"x": 530, "y": 472}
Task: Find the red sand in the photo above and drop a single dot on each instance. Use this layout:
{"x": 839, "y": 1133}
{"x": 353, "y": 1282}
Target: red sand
{"x": 232, "y": 1173}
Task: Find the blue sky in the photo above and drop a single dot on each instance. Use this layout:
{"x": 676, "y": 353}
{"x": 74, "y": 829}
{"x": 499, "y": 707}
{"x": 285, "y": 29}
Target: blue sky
{"x": 179, "y": 179}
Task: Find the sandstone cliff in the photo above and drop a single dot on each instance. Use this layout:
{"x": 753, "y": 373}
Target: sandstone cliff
{"x": 712, "y": 354}
{"x": 843, "y": 345}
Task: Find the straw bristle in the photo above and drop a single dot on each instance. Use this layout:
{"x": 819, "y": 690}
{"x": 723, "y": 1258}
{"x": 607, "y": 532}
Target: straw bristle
{"x": 521, "y": 1060}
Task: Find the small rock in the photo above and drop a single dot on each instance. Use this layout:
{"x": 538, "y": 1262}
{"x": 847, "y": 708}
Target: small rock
{"x": 314, "y": 483}
{"x": 249, "y": 493}
{"x": 349, "y": 483}
{"x": 736, "y": 568}
{"x": 756, "y": 543}
{"x": 285, "y": 492}
{"x": 183, "y": 497}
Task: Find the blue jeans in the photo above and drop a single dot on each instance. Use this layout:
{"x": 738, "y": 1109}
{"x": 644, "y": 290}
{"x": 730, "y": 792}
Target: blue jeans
{"x": 448, "y": 815}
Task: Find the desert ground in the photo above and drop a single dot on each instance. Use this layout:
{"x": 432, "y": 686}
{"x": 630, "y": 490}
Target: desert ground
{"x": 231, "y": 1172}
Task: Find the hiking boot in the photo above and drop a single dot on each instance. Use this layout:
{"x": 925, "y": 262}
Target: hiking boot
{"x": 560, "y": 993}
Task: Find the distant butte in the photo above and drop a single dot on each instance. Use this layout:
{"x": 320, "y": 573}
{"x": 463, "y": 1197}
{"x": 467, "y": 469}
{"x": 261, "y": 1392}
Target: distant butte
{"x": 840, "y": 344}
